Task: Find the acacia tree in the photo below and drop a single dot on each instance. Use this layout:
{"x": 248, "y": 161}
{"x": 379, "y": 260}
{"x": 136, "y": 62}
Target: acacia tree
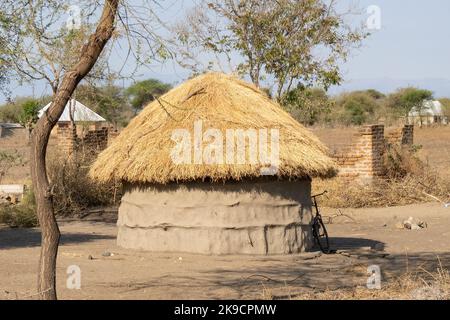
{"x": 296, "y": 42}
{"x": 33, "y": 50}
{"x": 143, "y": 92}
{"x": 406, "y": 99}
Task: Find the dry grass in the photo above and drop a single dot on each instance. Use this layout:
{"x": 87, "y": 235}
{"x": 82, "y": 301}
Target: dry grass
{"x": 407, "y": 180}
{"x": 408, "y": 190}
{"x": 142, "y": 152}
{"x": 419, "y": 285}
{"x": 435, "y": 152}
{"x": 22, "y": 215}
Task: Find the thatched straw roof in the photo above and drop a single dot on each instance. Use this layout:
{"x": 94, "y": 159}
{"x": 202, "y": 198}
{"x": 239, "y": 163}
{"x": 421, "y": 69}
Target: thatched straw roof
{"x": 142, "y": 152}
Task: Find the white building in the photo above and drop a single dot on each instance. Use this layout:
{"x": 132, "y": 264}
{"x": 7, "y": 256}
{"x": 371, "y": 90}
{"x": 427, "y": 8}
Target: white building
{"x": 82, "y": 116}
{"x": 77, "y": 111}
{"x": 430, "y": 113}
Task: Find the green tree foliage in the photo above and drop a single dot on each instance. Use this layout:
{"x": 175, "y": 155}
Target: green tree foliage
{"x": 108, "y": 101}
{"x": 404, "y": 100}
{"x": 280, "y": 38}
{"x": 377, "y": 95}
{"x": 29, "y": 114}
{"x": 21, "y": 110}
{"x": 143, "y": 92}
{"x": 307, "y": 105}
{"x": 357, "y": 108}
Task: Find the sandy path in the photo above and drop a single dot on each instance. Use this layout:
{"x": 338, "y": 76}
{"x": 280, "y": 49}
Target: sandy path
{"x": 142, "y": 275}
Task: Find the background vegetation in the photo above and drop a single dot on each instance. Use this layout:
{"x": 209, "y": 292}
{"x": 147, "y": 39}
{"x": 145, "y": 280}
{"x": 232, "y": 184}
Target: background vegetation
{"x": 116, "y": 104}
{"x": 310, "y": 106}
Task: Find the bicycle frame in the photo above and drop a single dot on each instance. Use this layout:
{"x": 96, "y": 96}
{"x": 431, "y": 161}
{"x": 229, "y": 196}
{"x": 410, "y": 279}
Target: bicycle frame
{"x": 317, "y": 225}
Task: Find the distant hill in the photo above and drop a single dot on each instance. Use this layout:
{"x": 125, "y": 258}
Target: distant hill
{"x": 440, "y": 87}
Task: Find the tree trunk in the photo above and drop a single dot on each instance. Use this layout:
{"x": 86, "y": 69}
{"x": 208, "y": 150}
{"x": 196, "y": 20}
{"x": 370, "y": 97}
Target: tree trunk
{"x": 39, "y": 141}
{"x": 44, "y": 200}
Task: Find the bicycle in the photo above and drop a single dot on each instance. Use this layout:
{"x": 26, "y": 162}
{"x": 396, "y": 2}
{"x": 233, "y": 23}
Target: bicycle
{"x": 319, "y": 231}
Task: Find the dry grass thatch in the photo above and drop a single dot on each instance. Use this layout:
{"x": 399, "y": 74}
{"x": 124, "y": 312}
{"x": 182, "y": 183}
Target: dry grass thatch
{"x": 142, "y": 152}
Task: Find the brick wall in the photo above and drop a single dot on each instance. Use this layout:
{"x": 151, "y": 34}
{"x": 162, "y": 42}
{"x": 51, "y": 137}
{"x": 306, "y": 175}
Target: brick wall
{"x": 401, "y": 136}
{"x": 362, "y": 160}
{"x": 96, "y": 139}
{"x": 69, "y": 140}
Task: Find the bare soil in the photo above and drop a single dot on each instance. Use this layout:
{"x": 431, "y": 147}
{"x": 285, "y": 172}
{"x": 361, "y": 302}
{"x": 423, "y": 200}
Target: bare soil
{"x": 364, "y": 237}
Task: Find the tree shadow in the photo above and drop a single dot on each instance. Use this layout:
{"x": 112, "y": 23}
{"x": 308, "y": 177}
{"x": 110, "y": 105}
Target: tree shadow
{"x": 13, "y": 238}
{"x": 343, "y": 243}
{"x": 287, "y": 276}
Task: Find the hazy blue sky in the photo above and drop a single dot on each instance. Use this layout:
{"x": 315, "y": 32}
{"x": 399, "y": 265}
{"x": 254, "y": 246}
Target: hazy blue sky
{"x": 412, "y": 44}
{"x": 414, "y": 41}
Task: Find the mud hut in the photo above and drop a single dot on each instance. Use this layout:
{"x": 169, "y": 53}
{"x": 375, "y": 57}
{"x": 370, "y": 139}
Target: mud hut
{"x": 215, "y": 167}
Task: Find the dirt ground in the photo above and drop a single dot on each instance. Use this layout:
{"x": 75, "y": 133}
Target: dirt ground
{"x": 366, "y": 237}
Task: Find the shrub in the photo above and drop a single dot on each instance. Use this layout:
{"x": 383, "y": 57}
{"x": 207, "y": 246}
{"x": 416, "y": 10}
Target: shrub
{"x": 73, "y": 190}
{"x": 307, "y": 105}
{"x": 357, "y": 108}
{"x": 400, "y": 162}
{"x": 407, "y": 180}
{"x": 22, "y": 215}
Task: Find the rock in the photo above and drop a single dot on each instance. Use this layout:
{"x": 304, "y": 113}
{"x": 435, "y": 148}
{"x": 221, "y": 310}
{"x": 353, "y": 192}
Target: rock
{"x": 107, "y": 254}
{"x": 399, "y": 225}
{"x": 90, "y": 257}
{"x": 414, "y": 224}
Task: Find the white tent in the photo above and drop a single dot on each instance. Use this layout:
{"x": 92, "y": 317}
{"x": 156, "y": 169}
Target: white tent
{"x": 429, "y": 108}
{"x": 80, "y": 113}
{"x": 431, "y": 112}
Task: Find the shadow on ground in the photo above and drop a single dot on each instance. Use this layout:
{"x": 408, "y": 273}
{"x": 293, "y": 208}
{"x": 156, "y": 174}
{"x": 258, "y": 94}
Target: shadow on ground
{"x": 12, "y": 238}
{"x": 287, "y": 277}
{"x": 343, "y": 243}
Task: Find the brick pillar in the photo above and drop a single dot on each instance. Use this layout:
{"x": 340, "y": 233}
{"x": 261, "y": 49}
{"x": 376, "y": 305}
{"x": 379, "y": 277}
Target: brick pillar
{"x": 407, "y": 135}
{"x": 370, "y": 146}
{"x": 66, "y": 138}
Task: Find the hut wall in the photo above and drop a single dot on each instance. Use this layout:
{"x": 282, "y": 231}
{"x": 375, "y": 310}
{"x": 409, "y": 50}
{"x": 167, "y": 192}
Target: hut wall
{"x": 271, "y": 217}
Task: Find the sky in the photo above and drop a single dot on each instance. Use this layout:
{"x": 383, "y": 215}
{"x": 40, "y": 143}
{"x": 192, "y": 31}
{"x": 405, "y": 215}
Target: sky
{"x": 413, "y": 42}
{"x": 412, "y": 47}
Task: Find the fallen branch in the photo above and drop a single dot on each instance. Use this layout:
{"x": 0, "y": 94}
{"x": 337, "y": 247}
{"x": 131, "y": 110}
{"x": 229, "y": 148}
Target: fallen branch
{"x": 437, "y": 199}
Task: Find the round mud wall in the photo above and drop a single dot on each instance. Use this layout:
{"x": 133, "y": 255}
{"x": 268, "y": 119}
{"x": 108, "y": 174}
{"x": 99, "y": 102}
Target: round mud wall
{"x": 270, "y": 217}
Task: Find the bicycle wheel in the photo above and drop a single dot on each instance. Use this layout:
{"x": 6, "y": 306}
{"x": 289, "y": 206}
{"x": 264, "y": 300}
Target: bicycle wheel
{"x": 320, "y": 235}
